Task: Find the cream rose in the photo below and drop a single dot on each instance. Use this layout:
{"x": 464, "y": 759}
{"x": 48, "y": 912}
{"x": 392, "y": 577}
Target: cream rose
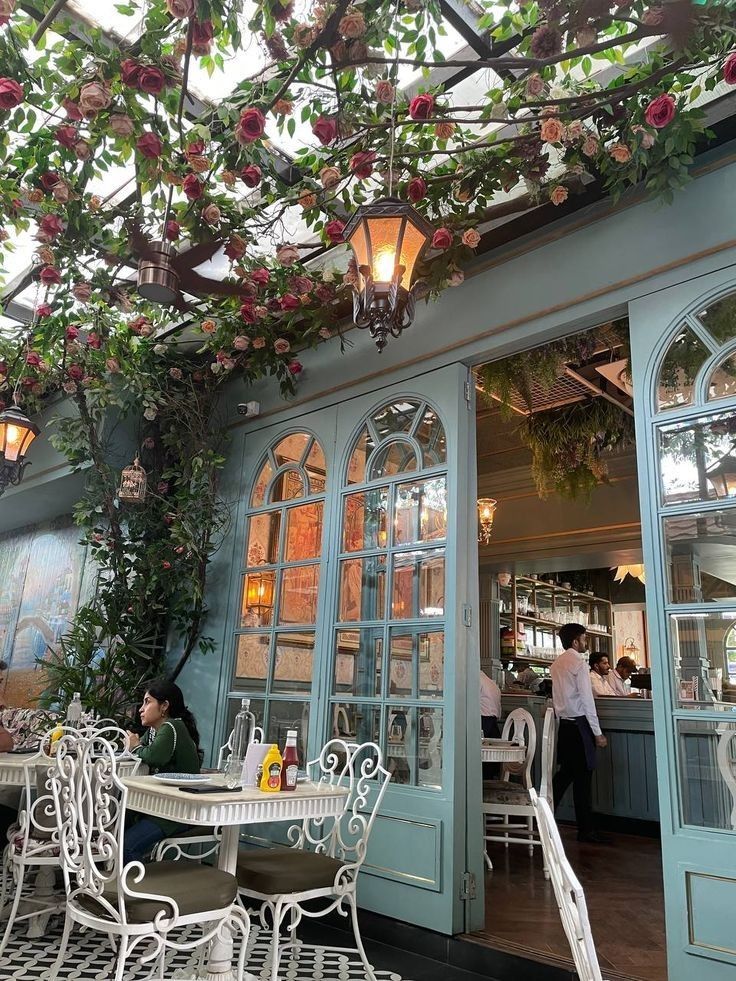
{"x": 287, "y": 255}
{"x": 558, "y": 194}
{"x": 471, "y": 238}
{"x": 93, "y": 97}
{"x": 620, "y": 153}
{"x": 352, "y": 25}
{"x": 329, "y": 177}
{"x": 211, "y": 214}
{"x": 552, "y": 130}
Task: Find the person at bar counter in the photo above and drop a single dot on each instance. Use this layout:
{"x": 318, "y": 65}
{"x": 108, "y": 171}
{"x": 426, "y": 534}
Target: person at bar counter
{"x": 490, "y": 713}
{"x": 169, "y": 744}
{"x": 617, "y": 678}
{"x": 600, "y": 668}
{"x": 579, "y": 734}
{"x": 526, "y": 676}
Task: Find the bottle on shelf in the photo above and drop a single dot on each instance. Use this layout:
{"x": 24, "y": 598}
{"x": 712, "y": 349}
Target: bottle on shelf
{"x": 74, "y": 711}
{"x": 243, "y": 730}
{"x": 272, "y": 766}
{"x": 290, "y": 766}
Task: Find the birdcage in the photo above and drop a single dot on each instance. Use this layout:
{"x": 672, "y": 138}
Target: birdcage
{"x": 133, "y": 484}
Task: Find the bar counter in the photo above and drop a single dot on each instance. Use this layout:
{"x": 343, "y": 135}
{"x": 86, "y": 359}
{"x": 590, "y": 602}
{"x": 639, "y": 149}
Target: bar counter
{"x": 625, "y": 781}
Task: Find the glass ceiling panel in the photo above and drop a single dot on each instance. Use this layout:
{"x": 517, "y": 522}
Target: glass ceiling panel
{"x": 104, "y": 14}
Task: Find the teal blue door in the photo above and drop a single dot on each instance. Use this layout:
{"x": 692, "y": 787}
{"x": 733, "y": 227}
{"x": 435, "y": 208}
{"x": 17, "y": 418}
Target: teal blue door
{"x": 684, "y": 360}
{"x": 353, "y": 616}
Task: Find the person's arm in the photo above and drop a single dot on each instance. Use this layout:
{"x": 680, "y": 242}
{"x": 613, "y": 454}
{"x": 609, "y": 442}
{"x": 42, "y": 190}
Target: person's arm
{"x": 6, "y": 741}
{"x": 586, "y": 698}
{"x": 161, "y": 751}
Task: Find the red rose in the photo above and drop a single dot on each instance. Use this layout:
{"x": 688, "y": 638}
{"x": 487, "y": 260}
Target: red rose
{"x": 235, "y": 246}
{"x": 151, "y": 80}
{"x": 300, "y": 284}
{"x": 72, "y": 332}
{"x": 325, "y": 292}
{"x": 250, "y": 126}
{"x": 325, "y": 129}
{"x": 202, "y": 32}
{"x": 49, "y": 180}
{"x": 194, "y": 149}
{"x": 33, "y": 359}
{"x": 248, "y": 313}
{"x": 11, "y": 93}
{"x": 50, "y": 276}
{"x": 442, "y": 239}
{"x": 51, "y": 225}
{"x": 295, "y": 368}
{"x": 165, "y": 564}
{"x": 661, "y": 111}
{"x": 67, "y": 136}
{"x": 173, "y": 230}
{"x": 260, "y": 276}
{"x": 130, "y": 73}
{"x": 416, "y": 189}
{"x": 421, "y": 106}
{"x": 290, "y": 302}
{"x": 334, "y": 230}
{"x": 43, "y": 310}
{"x": 72, "y": 109}
{"x": 192, "y": 187}
{"x": 729, "y": 69}
{"x": 149, "y": 145}
{"x": 361, "y": 163}
{"x": 251, "y": 175}
{"x": 75, "y": 371}
{"x": 94, "y": 340}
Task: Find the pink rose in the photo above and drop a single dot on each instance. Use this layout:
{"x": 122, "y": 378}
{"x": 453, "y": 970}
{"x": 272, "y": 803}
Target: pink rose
{"x": 729, "y": 69}
{"x": 72, "y": 332}
{"x": 558, "y": 194}
{"x": 176, "y": 374}
{"x": 211, "y": 214}
{"x": 149, "y": 145}
{"x": 11, "y": 94}
{"x": 173, "y": 230}
{"x": 295, "y": 368}
{"x": 50, "y": 276}
{"x": 259, "y": 343}
{"x": 49, "y": 180}
{"x": 82, "y": 150}
{"x": 130, "y": 73}
{"x": 385, "y": 91}
{"x": 202, "y": 34}
{"x": 250, "y": 126}
{"x": 43, "y": 310}
{"x": 329, "y": 177}
{"x": 361, "y": 163}
{"x": 121, "y": 124}
{"x": 94, "y": 97}
{"x": 300, "y": 284}
{"x": 51, "y": 225}
{"x": 661, "y": 111}
{"x": 192, "y": 187}
{"x": 573, "y": 131}
{"x": 442, "y": 239}
{"x": 251, "y": 175}
{"x": 181, "y": 9}
{"x": 324, "y": 292}
{"x": 287, "y": 255}
{"x": 289, "y": 302}
{"x": 248, "y": 313}
{"x": 325, "y": 129}
{"x": 534, "y": 85}
{"x": 112, "y": 365}
{"x": 281, "y": 345}
{"x": 67, "y": 136}
{"x": 416, "y": 189}
{"x": 151, "y": 80}
{"x": 241, "y": 342}
{"x": 471, "y": 238}
{"x": 307, "y": 199}
{"x": 457, "y": 278}
{"x": 334, "y": 231}
{"x": 94, "y": 340}
{"x": 552, "y": 130}
{"x": 620, "y": 153}
{"x": 352, "y": 25}
{"x": 82, "y": 291}
{"x": 590, "y": 146}
{"x": 421, "y": 106}
{"x": 75, "y": 372}
{"x": 646, "y": 139}
{"x": 33, "y": 359}
{"x": 61, "y": 192}
{"x": 235, "y": 247}
{"x": 260, "y": 276}
{"x": 72, "y": 109}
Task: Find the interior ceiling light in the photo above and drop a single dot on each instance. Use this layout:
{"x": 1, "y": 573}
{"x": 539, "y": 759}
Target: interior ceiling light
{"x": 622, "y": 571}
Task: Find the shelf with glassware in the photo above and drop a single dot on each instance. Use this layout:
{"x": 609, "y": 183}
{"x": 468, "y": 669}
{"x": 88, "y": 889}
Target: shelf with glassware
{"x": 533, "y": 610}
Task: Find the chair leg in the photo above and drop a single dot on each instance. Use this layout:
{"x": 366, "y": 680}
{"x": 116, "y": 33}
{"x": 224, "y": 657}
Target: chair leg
{"x": 358, "y": 939}
{"x": 64, "y": 943}
{"x": 122, "y": 957}
{"x": 530, "y": 826}
{"x": 278, "y": 916}
{"x": 489, "y": 863}
{"x": 13, "y": 908}
{"x": 6, "y": 875}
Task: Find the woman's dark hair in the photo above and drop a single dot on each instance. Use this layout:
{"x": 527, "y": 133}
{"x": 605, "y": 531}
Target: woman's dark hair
{"x": 166, "y": 691}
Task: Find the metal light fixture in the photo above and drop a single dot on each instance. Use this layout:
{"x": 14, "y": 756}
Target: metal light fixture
{"x": 388, "y": 238}
{"x": 622, "y": 571}
{"x": 486, "y": 513}
{"x": 17, "y": 432}
{"x": 133, "y": 482}
{"x": 158, "y": 281}
{"x": 722, "y": 476}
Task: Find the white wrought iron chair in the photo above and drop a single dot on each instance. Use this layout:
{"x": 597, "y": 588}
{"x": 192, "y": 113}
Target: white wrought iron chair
{"x": 568, "y": 894}
{"x": 509, "y": 801}
{"x": 326, "y": 855}
{"x": 144, "y": 907}
{"x": 198, "y": 843}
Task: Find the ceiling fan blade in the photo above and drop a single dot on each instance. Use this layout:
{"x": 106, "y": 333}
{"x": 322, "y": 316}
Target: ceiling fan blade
{"x": 181, "y": 304}
{"x": 192, "y": 282}
{"x": 196, "y": 255}
{"x": 139, "y": 241}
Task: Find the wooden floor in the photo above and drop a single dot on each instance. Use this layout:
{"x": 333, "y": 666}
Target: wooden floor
{"x": 623, "y": 891}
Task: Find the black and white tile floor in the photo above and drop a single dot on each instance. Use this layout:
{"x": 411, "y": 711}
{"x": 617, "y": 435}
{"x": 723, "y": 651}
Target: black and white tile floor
{"x": 90, "y": 958}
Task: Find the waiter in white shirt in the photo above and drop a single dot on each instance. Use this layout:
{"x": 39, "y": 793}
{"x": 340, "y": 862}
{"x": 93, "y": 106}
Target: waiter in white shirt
{"x": 625, "y": 667}
{"x": 579, "y": 732}
{"x": 600, "y": 672}
{"x": 490, "y": 713}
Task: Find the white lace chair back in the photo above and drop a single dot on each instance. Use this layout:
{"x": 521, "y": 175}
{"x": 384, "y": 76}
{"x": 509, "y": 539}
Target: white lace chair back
{"x": 568, "y": 893}
{"x": 359, "y": 767}
{"x": 549, "y": 745}
{"x": 519, "y": 728}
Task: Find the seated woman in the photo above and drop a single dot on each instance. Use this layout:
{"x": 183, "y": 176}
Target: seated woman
{"x": 170, "y": 744}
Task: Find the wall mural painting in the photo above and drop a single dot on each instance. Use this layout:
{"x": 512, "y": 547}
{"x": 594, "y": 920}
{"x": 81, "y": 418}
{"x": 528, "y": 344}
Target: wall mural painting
{"x": 40, "y": 582}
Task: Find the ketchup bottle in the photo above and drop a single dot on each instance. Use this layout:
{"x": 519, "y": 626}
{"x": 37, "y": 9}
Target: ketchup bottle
{"x": 291, "y": 762}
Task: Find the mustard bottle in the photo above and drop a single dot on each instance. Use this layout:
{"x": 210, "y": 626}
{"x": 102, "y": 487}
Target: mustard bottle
{"x": 272, "y": 766}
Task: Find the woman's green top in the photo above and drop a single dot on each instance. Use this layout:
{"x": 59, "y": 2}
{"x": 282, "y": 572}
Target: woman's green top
{"x": 169, "y": 749}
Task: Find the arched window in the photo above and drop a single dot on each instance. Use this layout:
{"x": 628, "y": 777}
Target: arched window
{"x": 275, "y": 632}
{"x": 388, "y": 644}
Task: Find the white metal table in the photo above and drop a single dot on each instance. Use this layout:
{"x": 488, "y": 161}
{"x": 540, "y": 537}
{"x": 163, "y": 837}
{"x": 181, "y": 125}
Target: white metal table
{"x": 230, "y": 810}
{"x": 502, "y": 751}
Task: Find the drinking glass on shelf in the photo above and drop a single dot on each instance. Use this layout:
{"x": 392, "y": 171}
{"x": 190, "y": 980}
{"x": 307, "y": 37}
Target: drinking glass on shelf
{"x": 522, "y": 605}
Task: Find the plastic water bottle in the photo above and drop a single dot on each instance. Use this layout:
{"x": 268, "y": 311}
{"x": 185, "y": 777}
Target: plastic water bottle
{"x": 74, "y": 711}
{"x": 243, "y": 730}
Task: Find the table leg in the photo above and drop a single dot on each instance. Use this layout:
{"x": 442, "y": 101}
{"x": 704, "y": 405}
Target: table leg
{"x": 43, "y": 889}
{"x": 220, "y": 966}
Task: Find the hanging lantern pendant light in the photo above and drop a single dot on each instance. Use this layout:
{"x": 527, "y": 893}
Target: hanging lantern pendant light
{"x": 17, "y": 432}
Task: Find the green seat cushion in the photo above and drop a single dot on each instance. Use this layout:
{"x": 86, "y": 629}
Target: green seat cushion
{"x": 195, "y": 888}
{"x": 276, "y": 871}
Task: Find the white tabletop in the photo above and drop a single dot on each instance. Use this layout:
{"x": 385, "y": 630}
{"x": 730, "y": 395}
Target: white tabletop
{"x": 502, "y": 751}
{"x": 309, "y": 800}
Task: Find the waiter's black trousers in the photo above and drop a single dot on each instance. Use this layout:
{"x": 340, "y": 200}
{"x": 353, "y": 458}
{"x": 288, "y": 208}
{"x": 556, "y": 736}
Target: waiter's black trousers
{"x": 573, "y": 769}
{"x": 489, "y": 725}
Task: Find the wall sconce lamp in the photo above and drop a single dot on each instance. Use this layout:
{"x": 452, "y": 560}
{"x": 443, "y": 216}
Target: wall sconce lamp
{"x": 17, "y": 432}
{"x": 486, "y": 513}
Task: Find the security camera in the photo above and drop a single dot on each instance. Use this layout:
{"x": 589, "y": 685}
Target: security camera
{"x": 249, "y": 408}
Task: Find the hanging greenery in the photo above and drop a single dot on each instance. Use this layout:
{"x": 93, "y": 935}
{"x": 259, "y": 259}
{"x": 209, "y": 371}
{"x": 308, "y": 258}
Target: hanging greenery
{"x": 569, "y": 445}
